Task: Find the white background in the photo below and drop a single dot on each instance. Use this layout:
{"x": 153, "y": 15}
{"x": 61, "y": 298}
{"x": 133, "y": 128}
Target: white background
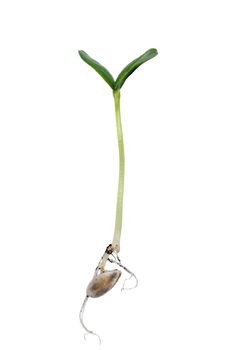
{"x": 59, "y": 168}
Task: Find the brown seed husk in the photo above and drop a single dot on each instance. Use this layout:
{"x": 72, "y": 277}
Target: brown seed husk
{"x": 102, "y": 283}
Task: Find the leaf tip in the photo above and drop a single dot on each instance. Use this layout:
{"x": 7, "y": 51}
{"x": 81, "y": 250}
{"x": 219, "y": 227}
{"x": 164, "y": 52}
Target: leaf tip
{"x": 81, "y": 52}
{"x": 153, "y": 52}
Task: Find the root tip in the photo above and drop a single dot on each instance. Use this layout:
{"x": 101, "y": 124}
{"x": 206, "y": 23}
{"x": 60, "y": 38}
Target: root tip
{"x": 92, "y": 333}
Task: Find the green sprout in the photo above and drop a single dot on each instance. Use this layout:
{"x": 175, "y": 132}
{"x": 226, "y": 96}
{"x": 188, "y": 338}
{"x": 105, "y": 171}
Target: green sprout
{"x": 104, "y": 280}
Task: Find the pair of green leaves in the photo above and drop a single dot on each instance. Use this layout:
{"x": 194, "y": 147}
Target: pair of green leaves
{"x": 124, "y": 74}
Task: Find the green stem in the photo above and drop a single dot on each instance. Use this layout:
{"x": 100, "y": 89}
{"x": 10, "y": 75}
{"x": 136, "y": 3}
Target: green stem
{"x": 119, "y": 204}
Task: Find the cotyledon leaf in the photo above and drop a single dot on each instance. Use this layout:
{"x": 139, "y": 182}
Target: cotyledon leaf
{"x": 104, "y": 73}
{"x": 131, "y": 67}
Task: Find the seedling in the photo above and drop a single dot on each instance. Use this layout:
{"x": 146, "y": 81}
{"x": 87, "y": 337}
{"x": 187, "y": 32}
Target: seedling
{"x": 104, "y": 280}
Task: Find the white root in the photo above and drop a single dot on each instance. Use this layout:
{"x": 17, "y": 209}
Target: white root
{"x": 118, "y": 262}
{"x": 82, "y": 322}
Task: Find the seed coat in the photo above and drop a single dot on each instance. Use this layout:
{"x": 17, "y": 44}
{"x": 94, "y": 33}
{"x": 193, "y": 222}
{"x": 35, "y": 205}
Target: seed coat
{"x": 102, "y": 283}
